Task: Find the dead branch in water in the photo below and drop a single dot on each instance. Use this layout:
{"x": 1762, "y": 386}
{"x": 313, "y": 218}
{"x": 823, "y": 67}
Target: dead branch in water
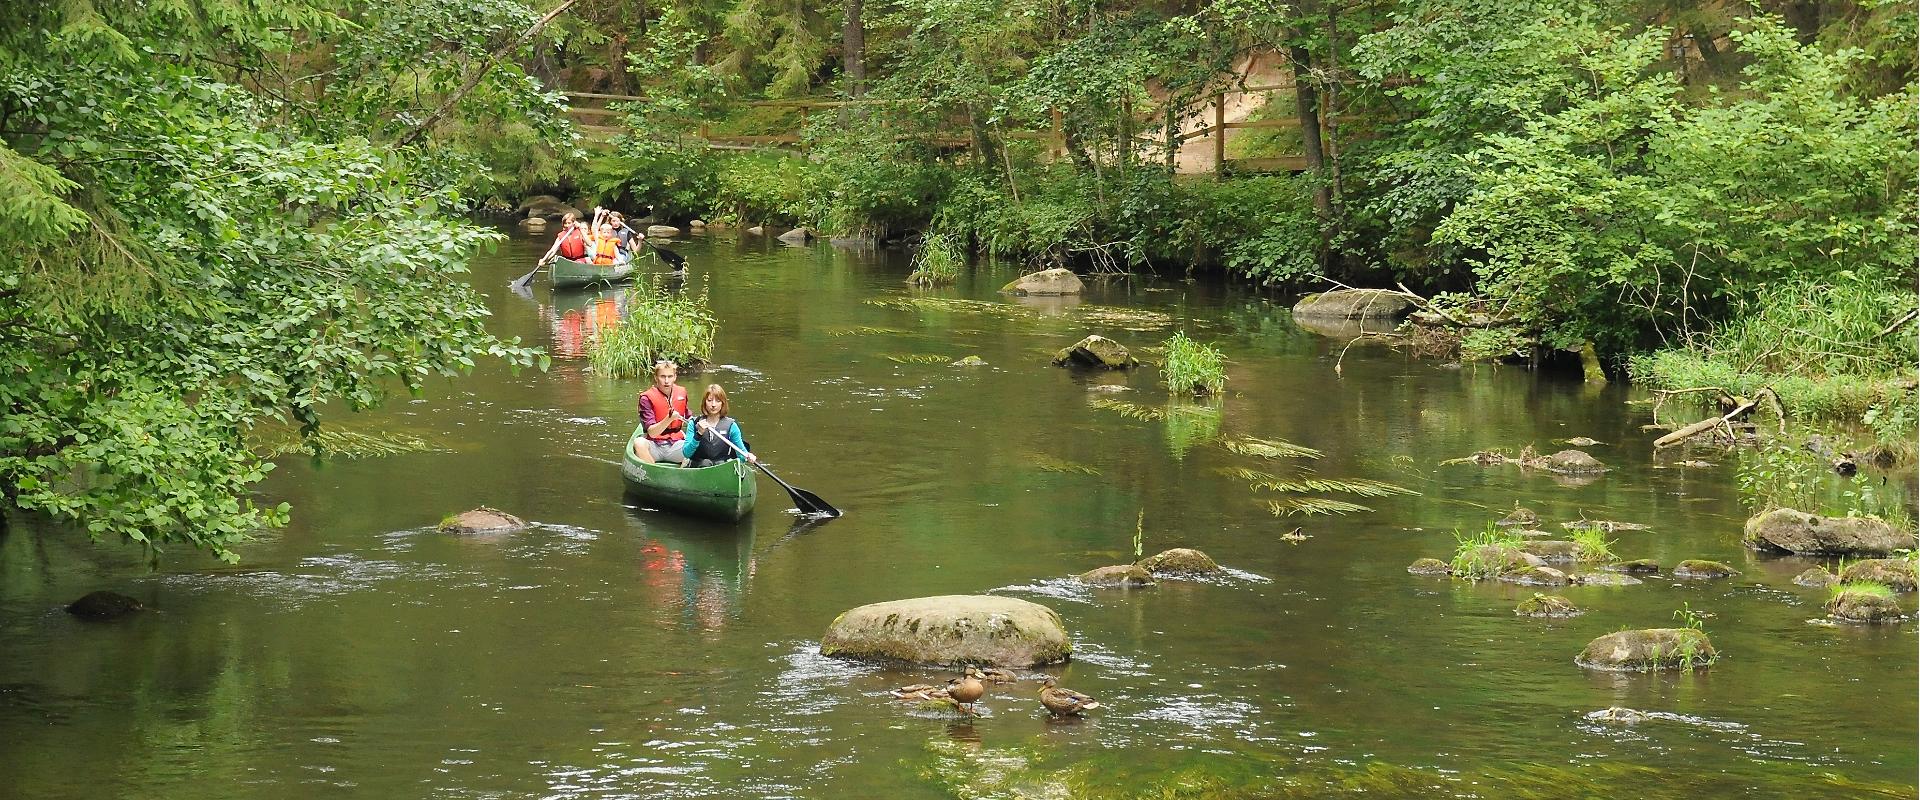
{"x": 1725, "y": 420}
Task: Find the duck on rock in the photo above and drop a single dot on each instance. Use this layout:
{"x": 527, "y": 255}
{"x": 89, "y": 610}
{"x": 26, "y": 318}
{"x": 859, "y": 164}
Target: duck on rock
{"x": 967, "y": 689}
{"x": 1062, "y": 702}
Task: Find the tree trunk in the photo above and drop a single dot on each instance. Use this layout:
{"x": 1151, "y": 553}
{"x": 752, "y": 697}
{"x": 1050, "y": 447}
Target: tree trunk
{"x": 853, "y": 47}
{"x": 1307, "y": 104}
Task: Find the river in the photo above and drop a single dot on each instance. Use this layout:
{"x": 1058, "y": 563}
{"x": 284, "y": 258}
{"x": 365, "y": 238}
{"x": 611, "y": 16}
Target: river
{"x": 615, "y": 651}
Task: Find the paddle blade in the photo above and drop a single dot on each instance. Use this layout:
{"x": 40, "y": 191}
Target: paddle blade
{"x": 522, "y": 281}
{"x": 811, "y": 503}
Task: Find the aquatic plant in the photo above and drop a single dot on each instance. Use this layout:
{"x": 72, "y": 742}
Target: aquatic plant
{"x": 1126, "y": 319}
{"x": 863, "y": 330}
{"x": 1690, "y": 618}
{"x": 659, "y": 325}
{"x": 1593, "y": 544}
{"x": 1310, "y": 506}
{"x": 1360, "y": 486}
{"x": 917, "y": 358}
{"x": 938, "y": 261}
{"x": 333, "y": 443}
{"x": 1485, "y": 554}
{"x": 1133, "y": 411}
{"x": 1050, "y": 464}
{"x": 1140, "y": 536}
{"x": 1269, "y": 448}
{"x": 1193, "y": 367}
{"x": 1190, "y": 425}
{"x": 1869, "y": 588}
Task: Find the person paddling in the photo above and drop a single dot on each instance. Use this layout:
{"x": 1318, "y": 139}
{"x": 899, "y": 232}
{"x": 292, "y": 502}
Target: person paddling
{"x": 705, "y": 448}
{"x": 570, "y": 242}
{"x": 663, "y": 407}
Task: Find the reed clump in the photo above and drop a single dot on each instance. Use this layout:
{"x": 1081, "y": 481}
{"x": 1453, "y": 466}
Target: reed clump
{"x": 1193, "y": 367}
{"x": 660, "y": 326}
{"x": 938, "y": 263}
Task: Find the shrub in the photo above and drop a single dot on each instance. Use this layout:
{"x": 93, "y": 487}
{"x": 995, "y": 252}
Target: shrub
{"x": 1193, "y": 367}
{"x": 938, "y": 262}
{"x": 659, "y": 325}
{"x": 761, "y": 187}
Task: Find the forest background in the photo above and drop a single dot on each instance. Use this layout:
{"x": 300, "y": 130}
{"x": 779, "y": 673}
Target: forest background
{"x": 221, "y": 216}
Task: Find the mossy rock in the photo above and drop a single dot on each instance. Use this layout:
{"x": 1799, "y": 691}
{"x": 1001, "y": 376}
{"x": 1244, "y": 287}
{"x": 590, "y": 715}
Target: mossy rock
{"x": 1816, "y": 578}
{"x": 1893, "y": 573}
{"x": 951, "y": 630}
{"x": 1553, "y": 550}
{"x": 1605, "y": 579}
{"x": 1096, "y": 351}
{"x": 1547, "y": 605}
{"x": 104, "y": 605}
{"x": 1785, "y": 530}
{"x": 1860, "y": 605}
{"x": 1638, "y": 566}
{"x": 1046, "y": 282}
{"x": 1520, "y": 518}
{"x": 1649, "y": 650}
{"x": 1574, "y": 462}
{"x": 1180, "y": 561}
{"x": 1534, "y": 576}
{"x": 1492, "y": 559}
{"x": 1700, "y": 569}
{"x": 1120, "y": 576}
{"x": 1430, "y": 566}
{"x": 482, "y": 520}
{"x": 1354, "y": 304}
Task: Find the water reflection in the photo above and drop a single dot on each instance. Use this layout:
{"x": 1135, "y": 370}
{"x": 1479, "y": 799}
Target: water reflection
{"x": 574, "y": 319}
{"x": 700, "y": 570}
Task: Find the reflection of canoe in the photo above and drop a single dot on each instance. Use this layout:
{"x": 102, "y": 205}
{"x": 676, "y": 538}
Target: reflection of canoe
{"x": 723, "y": 490}
{"x": 571, "y": 274}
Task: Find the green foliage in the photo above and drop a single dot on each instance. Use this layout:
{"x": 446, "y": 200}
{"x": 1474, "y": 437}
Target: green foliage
{"x": 1193, "y": 367}
{"x": 197, "y": 248}
{"x": 1593, "y": 544}
{"x": 1140, "y": 536}
{"x": 938, "y": 262}
{"x": 659, "y": 325}
{"x": 759, "y": 188}
{"x": 1780, "y": 475}
{"x": 1866, "y": 588}
{"x": 1689, "y": 618}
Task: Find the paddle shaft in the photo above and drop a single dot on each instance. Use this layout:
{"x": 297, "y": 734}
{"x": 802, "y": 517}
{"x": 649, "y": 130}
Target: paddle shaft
{"x": 807, "y": 501}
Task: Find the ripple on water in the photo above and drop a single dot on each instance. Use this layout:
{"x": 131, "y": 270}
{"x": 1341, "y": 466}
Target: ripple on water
{"x": 806, "y": 666}
{"x": 1068, "y": 589}
{"x": 324, "y": 576}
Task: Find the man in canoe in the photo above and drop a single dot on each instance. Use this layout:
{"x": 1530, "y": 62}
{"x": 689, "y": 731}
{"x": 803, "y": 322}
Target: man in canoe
{"x": 663, "y": 406}
{"x": 570, "y": 242}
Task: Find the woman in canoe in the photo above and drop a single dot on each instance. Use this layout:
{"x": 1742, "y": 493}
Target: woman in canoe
{"x": 712, "y": 431}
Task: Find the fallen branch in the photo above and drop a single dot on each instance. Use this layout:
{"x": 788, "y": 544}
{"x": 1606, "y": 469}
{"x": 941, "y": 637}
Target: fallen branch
{"x": 1711, "y": 423}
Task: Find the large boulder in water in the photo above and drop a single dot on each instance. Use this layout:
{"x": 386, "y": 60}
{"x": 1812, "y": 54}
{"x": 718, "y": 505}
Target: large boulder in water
{"x": 1354, "y": 304}
{"x": 482, "y": 520}
{"x": 662, "y": 231}
{"x": 1893, "y": 573}
{"x": 1648, "y": 650}
{"x": 1180, "y": 561}
{"x": 1054, "y": 281}
{"x": 796, "y": 236}
{"x": 546, "y": 206}
{"x": 1121, "y": 576}
{"x": 951, "y": 629}
{"x": 104, "y": 605}
{"x": 1859, "y": 604}
{"x": 1096, "y": 351}
{"x": 1787, "y": 530}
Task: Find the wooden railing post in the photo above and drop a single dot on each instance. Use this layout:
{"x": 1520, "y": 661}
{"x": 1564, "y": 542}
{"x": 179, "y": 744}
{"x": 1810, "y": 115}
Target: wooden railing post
{"x": 1059, "y": 136}
{"x": 1219, "y": 134}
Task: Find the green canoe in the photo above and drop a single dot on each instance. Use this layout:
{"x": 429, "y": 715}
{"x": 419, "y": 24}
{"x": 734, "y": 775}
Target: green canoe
{"x": 571, "y": 274}
{"x": 723, "y": 490}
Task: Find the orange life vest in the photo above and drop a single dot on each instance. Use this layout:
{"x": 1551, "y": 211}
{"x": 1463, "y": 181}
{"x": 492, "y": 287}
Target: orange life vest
{"x": 573, "y": 243}
{"x": 606, "y": 250}
{"x": 663, "y": 410}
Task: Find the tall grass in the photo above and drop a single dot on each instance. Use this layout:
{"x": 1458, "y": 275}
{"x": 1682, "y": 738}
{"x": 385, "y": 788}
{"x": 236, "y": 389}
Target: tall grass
{"x": 939, "y": 261}
{"x": 1193, "y": 367}
{"x": 659, "y": 325}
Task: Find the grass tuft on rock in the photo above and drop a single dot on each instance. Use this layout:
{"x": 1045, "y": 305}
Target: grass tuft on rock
{"x": 1867, "y": 588}
{"x": 1594, "y": 544}
{"x": 1484, "y": 555}
{"x": 1193, "y": 367}
{"x": 938, "y": 263}
{"x": 659, "y": 325}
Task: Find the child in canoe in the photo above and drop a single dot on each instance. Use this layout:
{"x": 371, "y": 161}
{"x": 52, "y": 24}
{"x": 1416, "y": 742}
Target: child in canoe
{"x": 713, "y": 430}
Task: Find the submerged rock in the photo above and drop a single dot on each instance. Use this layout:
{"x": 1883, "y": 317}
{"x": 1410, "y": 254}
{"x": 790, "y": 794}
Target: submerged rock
{"x": 1893, "y": 573}
{"x": 103, "y": 605}
{"x": 1552, "y": 606}
{"x": 1617, "y": 715}
{"x": 1700, "y": 569}
{"x": 1119, "y": 576}
{"x": 1648, "y": 650}
{"x": 482, "y": 520}
{"x": 1354, "y": 304}
{"x": 1096, "y": 351}
{"x": 797, "y": 236}
{"x": 1605, "y": 579}
{"x": 969, "y": 361}
{"x": 1638, "y": 566}
{"x": 1816, "y": 577}
{"x": 951, "y": 629}
{"x": 1534, "y": 576}
{"x": 1180, "y": 561}
{"x": 1864, "y": 605}
{"x": 1056, "y": 281}
{"x": 1573, "y": 462}
{"x": 1430, "y": 566}
{"x": 1787, "y": 530}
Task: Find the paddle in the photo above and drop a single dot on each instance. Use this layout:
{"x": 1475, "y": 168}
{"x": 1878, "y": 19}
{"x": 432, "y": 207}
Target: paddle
{"x": 522, "y": 281}
{"x": 807, "y": 502}
{"x": 673, "y": 259}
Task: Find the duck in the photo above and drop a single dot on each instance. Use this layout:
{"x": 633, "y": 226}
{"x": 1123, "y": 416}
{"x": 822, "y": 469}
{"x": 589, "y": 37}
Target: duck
{"x": 919, "y": 692}
{"x": 1064, "y": 702}
{"x": 964, "y": 690}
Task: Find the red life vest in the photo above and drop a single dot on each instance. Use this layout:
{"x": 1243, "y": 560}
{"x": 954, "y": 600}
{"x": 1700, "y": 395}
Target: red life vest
{"x": 573, "y": 243}
{"x": 662, "y": 410}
